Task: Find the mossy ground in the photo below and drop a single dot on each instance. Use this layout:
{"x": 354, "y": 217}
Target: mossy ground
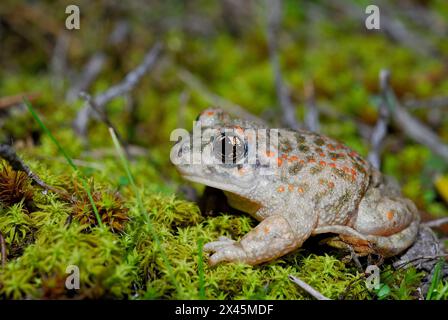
{"x": 43, "y": 242}
{"x": 45, "y": 233}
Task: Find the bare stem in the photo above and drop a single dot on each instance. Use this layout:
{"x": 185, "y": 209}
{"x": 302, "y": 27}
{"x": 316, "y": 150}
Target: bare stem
{"x": 412, "y": 127}
{"x": 195, "y": 84}
{"x": 436, "y": 223}
{"x": 8, "y": 153}
{"x": 105, "y": 119}
{"x": 312, "y": 113}
{"x": 126, "y": 85}
{"x": 274, "y": 10}
{"x": 3, "y": 249}
{"x": 380, "y": 130}
{"x": 302, "y": 284}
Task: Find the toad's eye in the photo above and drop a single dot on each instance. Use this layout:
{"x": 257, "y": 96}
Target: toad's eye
{"x": 229, "y": 148}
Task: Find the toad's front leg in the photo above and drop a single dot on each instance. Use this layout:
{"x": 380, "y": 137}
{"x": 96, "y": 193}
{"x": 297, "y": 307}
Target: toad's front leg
{"x": 272, "y": 238}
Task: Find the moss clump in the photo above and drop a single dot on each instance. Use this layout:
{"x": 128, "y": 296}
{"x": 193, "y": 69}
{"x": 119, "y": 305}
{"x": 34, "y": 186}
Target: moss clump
{"x": 15, "y": 187}
{"x": 109, "y": 204}
{"x": 17, "y": 228}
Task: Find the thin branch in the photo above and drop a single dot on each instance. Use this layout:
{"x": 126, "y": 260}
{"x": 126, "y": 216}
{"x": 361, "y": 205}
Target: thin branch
{"x": 126, "y": 85}
{"x": 183, "y": 101}
{"x": 9, "y": 101}
{"x": 432, "y": 103}
{"x": 105, "y": 119}
{"x": 312, "y": 113}
{"x": 95, "y": 64}
{"x": 90, "y": 72}
{"x": 120, "y": 32}
{"x": 316, "y": 294}
{"x": 434, "y": 257}
{"x": 274, "y": 16}
{"x": 380, "y": 130}
{"x": 8, "y": 153}
{"x": 413, "y": 128}
{"x": 393, "y": 27}
{"x": 195, "y": 84}
{"x": 3, "y": 249}
{"x": 436, "y": 223}
{"x": 78, "y": 162}
{"x": 430, "y": 20}
{"x": 58, "y": 63}
{"x": 131, "y": 79}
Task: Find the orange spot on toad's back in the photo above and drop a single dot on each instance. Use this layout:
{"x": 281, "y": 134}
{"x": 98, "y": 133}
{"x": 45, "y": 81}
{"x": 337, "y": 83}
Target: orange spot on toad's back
{"x": 390, "y": 215}
{"x": 269, "y": 154}
{"x": 281, "y": 189}
{"x": 333, "y": 165}
{"x": 279, "y": 161}
{"x": 293, "y": 158}
{"x": 210, "y": 113}
{"x": 266, "y": 230}
{"x": 331, "y": 184}
{"x": 300, "y": 189}
{"x": 311, "y": 160}
{"x": 331, "y": 147}
{"x": 239, "y": 129}
{"x": 290, "y": 187}
{"x": 322, "y": 154}
{"x": 322, "y": 163}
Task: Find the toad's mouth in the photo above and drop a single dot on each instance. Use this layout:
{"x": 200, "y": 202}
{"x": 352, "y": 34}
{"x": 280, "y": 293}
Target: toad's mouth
{"x": 219, "y": 184}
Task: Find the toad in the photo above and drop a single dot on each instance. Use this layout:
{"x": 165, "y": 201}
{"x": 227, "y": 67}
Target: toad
{"x": 311, "y": 185}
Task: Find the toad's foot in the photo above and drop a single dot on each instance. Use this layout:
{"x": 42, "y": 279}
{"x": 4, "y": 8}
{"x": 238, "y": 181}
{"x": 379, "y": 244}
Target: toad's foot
{"x": 272, "y": 238}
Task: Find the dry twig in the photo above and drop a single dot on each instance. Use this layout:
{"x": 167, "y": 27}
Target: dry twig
{"x": 105, "y": 119}
{"x": 312, "y": 113}
{"x": 58, "y": 62}
{"x": 392, "y": 26}
{"x": 90, "y": 72}
{"x": 380, "y": 130}
{"x": 9, "y": 101}
{"x": 413, "y": 128}
{"x": 305, "y": 286}
{"x": 8, "y": 153}
{"x": 96, "y": 62}
{"x": 434, "y": 257}
{"x": 126, "y": 85}
{"x": 432, "y": 103}
{"x": 274, "y": 11}
{"x": 195, "y": 84}
{"x": 3, "y": 249}
{"x": 436, "y": 223}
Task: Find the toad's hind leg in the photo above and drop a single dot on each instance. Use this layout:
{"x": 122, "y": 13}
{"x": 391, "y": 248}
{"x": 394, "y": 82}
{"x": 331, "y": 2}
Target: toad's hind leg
{"x": 272, "y": 238}
{"x": 389, "y": 221}
{"x": 386, "y": 224}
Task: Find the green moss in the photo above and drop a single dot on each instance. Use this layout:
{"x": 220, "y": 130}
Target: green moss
{"x": 129, "y": 265}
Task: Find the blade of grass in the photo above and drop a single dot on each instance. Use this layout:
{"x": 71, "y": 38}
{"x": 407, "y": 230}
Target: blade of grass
{"x": 442, "y": 292}
{"x": 125, "y": 164}
{"x": 435, "y": 280}
{"x": 66, "y": 156}
{"x": 201, "y": 271}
